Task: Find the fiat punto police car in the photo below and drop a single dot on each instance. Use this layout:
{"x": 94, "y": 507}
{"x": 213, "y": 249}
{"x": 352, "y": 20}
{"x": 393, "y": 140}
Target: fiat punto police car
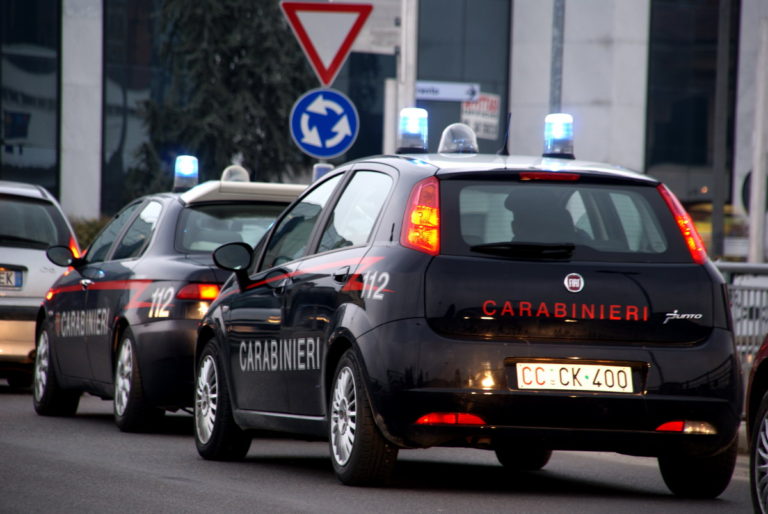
{"x": 518, "y": 304}
{"x": 121, "y": 323}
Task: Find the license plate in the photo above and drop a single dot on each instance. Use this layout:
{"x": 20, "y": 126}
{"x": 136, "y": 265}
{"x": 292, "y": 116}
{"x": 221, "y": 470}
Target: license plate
{"x": 10, "y": 279}
{"x": 574, "y": 377}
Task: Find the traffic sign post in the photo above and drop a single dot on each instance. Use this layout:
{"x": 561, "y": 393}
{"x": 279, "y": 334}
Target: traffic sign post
{"x": 324, "y": 123}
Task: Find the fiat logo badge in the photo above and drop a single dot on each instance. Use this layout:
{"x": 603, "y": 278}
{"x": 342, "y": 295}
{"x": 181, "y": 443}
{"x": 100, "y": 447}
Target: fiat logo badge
{"x": 574, "y": 282}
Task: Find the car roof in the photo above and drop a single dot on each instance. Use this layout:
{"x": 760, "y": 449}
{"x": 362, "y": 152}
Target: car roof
{"x": 443, "y": 164}
{"x": 218, "y": 190}
{"x": 24, "y": 189}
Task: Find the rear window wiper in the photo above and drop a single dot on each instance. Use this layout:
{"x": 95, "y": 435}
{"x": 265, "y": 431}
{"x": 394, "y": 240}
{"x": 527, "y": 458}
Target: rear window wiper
{"x": 527, "y": 250}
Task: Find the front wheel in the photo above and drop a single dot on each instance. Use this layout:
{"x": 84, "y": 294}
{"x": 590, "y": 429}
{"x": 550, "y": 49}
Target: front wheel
{"x": 131, "y": 410}
{"x": 758, "y": 458}
{"x": 48, "y": 397}
{"x": 359, "y": 452}
{"x": 217, "y": 436}
{"x": 699, "y": 477}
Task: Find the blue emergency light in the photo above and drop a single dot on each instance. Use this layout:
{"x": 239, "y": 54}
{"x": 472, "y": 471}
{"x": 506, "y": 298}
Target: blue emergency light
{"x": 558, "y": 136}
{"x": 412, "y": 135}
{"x": 185, "y": 172}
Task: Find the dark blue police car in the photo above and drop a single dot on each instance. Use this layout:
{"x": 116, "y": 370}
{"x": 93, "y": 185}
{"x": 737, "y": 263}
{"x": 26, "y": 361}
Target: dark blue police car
{"x": 518, "y": 304}
{"x": 121, "y": 322}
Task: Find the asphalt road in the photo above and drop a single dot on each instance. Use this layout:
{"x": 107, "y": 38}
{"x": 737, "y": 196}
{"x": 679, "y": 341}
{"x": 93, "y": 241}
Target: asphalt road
{"x": 85, "y": 464}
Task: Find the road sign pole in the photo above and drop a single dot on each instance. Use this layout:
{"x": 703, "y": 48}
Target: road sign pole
{"x": 407, "y": 55}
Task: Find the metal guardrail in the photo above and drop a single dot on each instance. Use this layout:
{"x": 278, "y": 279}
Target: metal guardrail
{"x": 748, "y": 287}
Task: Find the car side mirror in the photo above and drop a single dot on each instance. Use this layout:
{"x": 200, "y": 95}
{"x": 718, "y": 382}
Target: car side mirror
{"x": 61, "y": 256}
{"x": 236, "y": 257}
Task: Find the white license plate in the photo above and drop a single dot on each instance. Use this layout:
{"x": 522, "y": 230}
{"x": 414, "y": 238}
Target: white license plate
{"x": 10, "y": 279}
{"x": 574, "y": 377}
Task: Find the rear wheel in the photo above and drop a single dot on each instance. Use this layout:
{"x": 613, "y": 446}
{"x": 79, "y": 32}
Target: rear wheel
{"x": 48, "y": 397}
{"x": 359, "y": 452}
{"x": 520, "y": 458}
{"x": 699, "y": 477}
{"x": 217, "y": 436}
{"x": 758, "y": 458}
{"x": 132, "y": 412}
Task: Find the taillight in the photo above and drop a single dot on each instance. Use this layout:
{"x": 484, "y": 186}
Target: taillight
{"x": 450, "y": 418}
{"x": 74, "y": 248}
{"x": 421, "y": 223}
{"x": 198, "y": 292}
{"x": 685, "y": 224}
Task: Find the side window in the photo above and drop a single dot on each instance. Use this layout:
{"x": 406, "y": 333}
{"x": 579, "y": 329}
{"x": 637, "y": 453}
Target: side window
{"x": 100, "y": 246}
{"x": 290, "y": 239}
{"x": 357, "y": 210}
{"x": 138, "y": 233}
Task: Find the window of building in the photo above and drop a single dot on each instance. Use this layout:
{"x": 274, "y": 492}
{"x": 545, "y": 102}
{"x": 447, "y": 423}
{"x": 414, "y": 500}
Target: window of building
{"x": 30, "y": 44}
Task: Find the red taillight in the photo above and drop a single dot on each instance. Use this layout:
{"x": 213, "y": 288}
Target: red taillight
{"x": 671, "y": 426}
{"x": 685, "y": 224}
{"x": 198, "y": 292}
{"x": 450, "y": 418}
{"x": 548, "y": 175}
{"x": 421, "y": 223}
{"x": 74, "y": 247}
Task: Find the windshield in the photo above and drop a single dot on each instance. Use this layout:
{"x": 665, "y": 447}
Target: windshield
{"x": 547, "y": 220}
{"x": 203, "y": 228}
{"x": 27, "y": 223}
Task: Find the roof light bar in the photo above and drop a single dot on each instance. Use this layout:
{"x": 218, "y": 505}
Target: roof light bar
{"x": 458, "y": 138}
{"x": 558, "y": 136}
{"x": 412, "y": 134}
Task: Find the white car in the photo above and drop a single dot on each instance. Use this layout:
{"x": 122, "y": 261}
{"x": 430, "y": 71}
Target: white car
{"x": 31, "y": 220}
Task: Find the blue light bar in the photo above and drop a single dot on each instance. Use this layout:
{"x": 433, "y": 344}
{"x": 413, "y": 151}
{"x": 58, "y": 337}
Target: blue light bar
{"x": 558, "y": 136}
{"x": 412, "y": 137}
{"x": 185, "y": 172}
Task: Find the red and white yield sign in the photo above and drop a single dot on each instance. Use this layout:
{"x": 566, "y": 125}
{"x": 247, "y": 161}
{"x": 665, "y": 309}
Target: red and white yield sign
{"x": 326, "y": 32}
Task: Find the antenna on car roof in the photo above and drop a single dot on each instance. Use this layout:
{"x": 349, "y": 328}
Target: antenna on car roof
{"x": 504, "y": 150}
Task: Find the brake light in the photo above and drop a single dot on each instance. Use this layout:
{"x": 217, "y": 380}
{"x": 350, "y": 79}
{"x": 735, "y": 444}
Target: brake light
{"x": 421, "y": 223}
{"x": 198, "y": 292}
{"x": 74, "y": 248}
{"x": 548, "y": 175}
{"x": 671, "y": 426}
{"x": 685, "y": 224}
{"x": 450, "y": 418}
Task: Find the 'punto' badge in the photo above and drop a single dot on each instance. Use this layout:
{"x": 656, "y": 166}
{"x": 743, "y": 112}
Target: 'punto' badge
{"x": 574, "y": 282}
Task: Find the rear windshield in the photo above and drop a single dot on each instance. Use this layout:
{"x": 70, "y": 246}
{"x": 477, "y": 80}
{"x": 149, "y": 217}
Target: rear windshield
{"x": 574, "y": 220}
{"x": 203, "y": 228}
{"x": 28, "y": 223}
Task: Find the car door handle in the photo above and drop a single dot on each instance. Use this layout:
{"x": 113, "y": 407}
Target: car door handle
{"x": 341, "y": 274}
{"x": 86, "y": 283}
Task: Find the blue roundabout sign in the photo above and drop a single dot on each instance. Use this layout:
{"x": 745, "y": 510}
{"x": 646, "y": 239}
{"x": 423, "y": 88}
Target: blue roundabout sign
{"x": 324, "y": 123}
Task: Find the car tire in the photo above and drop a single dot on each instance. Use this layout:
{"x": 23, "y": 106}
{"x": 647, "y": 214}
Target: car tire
{"x": 131, "y": 410}
{"x": 758, "y": 458}
{"x": 217, "y": 436}
{"x": 48, "y": 397}
{"x": 521, "y": 458}
{"x": 359, "y": 452}
{"x": 699, "y": 477}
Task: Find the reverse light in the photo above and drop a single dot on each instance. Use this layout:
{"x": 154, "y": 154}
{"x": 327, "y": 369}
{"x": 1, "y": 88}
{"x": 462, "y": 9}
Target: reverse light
{"x": 450, "y": 418}
{"x": 421, "y": 223}
{"x": 185, "y": 172}
{"x": 685, "y": 224}
{"x": 558, "y": 135}
{"x": 688, "y": 427}
{"x": 198, "y": 292}
{"x": 412, "y": 133}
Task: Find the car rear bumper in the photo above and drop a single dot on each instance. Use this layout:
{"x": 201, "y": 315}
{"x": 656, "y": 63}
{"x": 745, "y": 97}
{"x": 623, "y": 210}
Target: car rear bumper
{"x": 413, "y": 372}
{"x": 165, "y": 351}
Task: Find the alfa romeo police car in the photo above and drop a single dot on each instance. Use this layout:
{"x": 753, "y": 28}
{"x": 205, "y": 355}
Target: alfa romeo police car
{"x": 518, "y": 304}
{"x": 121, "y": 322}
